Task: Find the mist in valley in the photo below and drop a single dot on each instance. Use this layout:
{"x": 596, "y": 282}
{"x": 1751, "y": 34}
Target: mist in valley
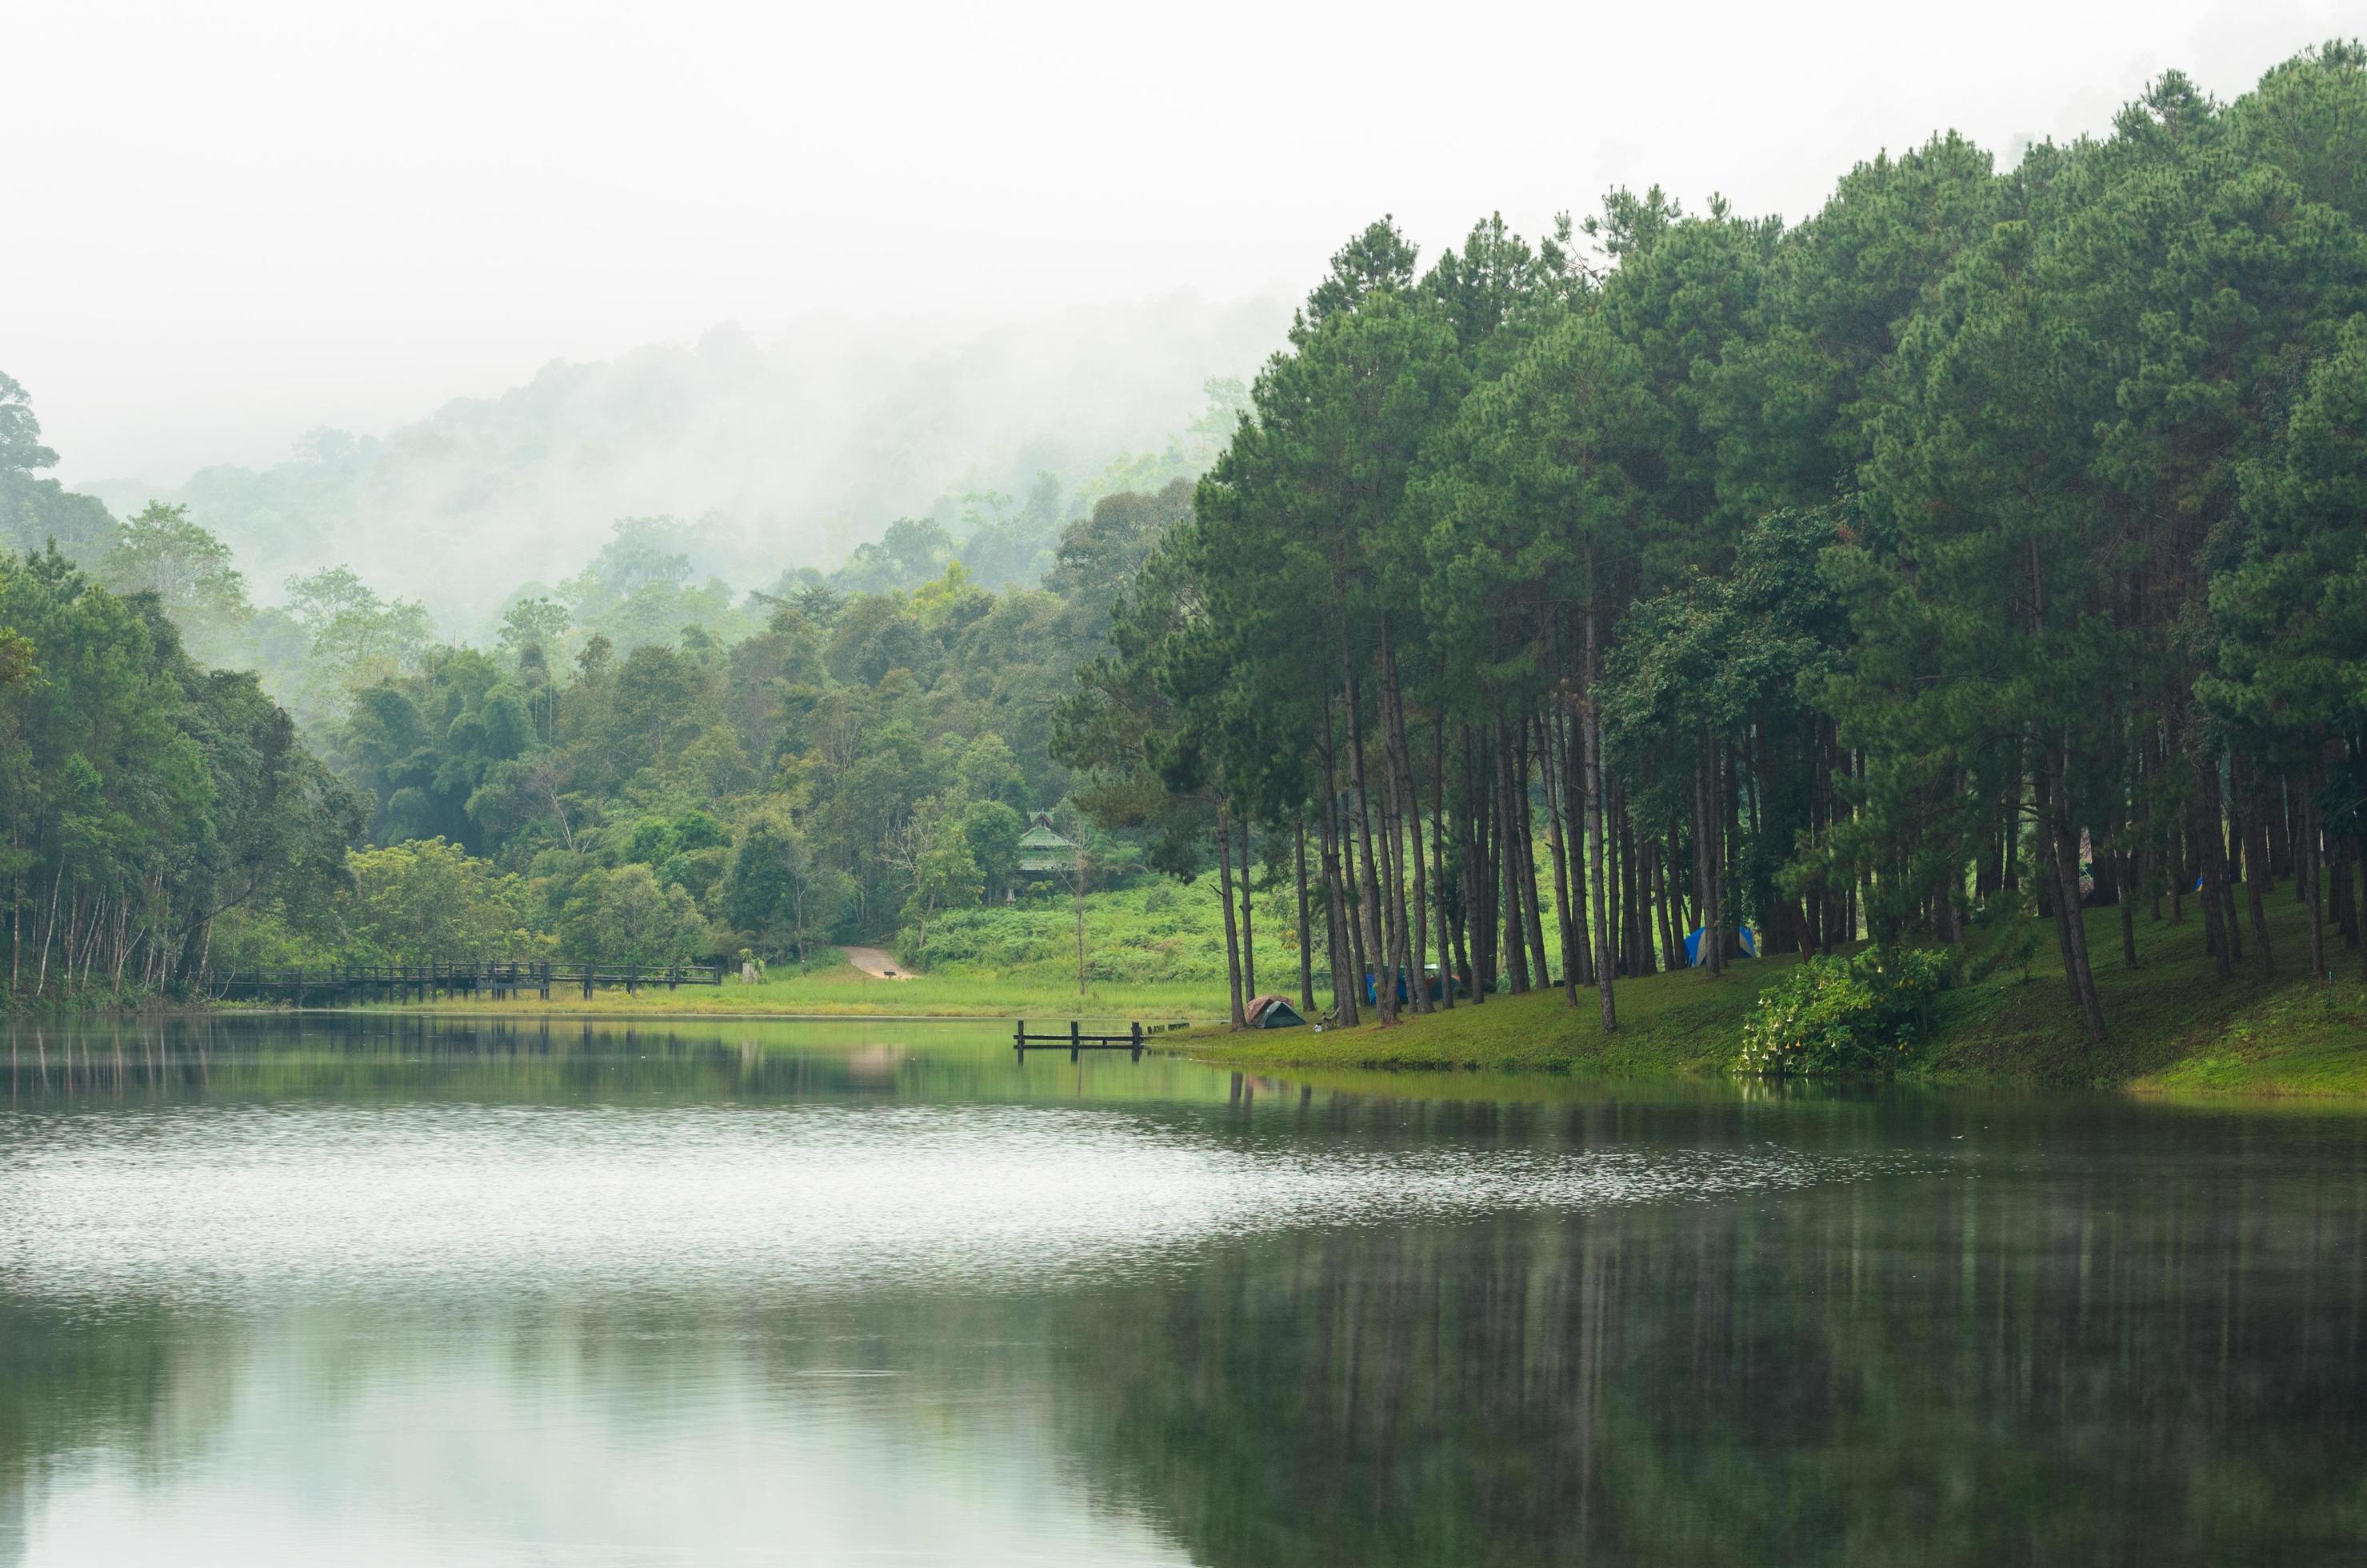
{"x": 777, "y": 454}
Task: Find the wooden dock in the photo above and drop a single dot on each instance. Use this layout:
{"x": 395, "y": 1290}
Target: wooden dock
{"x": 498, "y": 980}
{"x": 1076, "y": 1042}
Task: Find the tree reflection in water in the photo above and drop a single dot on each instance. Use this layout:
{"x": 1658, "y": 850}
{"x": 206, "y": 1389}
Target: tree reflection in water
{"x": 2032, "y": 1331}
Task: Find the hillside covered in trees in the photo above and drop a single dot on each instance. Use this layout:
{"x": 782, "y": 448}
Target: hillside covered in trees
{"x": 639, "y": 767}
{"x": 1986, "y": 546}
{"x": 1985, "y": 549}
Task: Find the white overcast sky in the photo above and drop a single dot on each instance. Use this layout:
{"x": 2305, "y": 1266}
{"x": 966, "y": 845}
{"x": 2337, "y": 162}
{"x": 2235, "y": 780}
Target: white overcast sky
{"x": 226, "y": 222}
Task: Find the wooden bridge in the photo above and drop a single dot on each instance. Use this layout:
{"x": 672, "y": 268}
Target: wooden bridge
{"x": 348, "y": 985}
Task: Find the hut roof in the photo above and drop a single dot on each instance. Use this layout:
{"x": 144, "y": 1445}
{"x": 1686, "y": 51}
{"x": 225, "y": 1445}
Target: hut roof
{"x": 1041, "y": 834}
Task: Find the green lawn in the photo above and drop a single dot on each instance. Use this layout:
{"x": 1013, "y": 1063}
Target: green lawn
{"x": 842, "y": 990}
{"x": 1668, "y": 1023}
{"x": 2170, "y": 1022}
{"x": 2173, "y": 1027}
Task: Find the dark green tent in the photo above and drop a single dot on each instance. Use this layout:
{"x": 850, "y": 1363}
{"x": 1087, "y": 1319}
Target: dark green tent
{"x": 1273, "y": 1012}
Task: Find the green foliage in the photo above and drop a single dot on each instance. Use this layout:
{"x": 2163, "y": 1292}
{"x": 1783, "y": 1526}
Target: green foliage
{"x": 33, "y": 512}
{"x": 430, "y": 902}
{"x": 778, "y": 893}
{"x": 352, "y": 637}
{"x": 1839, "y": 1016}
{"x": 991, "y": 831}
{"x": 161, "y": 552}
{"x": 1155, "y": 934}
{"x": 142, "y": 798}
{"x": 625, "y": 916}
{"x": 534, "y": 621}
{"x": 637, "y": 592}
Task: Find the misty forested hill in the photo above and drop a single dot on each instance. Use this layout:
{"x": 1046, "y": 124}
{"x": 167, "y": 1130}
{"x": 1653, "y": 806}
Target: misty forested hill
{"x": 793, "y": 450}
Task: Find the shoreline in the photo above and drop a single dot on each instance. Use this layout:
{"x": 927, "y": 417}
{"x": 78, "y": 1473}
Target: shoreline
{"x": 2174, "y": 1030}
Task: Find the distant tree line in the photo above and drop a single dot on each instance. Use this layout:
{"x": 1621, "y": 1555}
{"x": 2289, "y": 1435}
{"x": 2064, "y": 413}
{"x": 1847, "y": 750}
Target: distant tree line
{"x": 635, "y": 768}
{"x": 143, "y": 799}
{"x": 1991, "y": 544}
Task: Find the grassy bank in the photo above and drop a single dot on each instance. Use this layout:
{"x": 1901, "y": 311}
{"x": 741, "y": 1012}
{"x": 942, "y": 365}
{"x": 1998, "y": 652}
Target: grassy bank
{"x": 839, "y": 990}
{"x": 1154, "y": 952}
{"x": 2173, "y": 1027}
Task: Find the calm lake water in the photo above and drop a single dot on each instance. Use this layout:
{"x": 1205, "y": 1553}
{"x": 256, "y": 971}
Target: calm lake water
{"x": 385, "y": 1291}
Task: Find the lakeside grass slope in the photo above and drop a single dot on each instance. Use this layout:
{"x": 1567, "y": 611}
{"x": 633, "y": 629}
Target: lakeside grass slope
{"x": 839, "y": 990}
{"x": 2173, "y": 1027}
{"x": 1155, "y": 952}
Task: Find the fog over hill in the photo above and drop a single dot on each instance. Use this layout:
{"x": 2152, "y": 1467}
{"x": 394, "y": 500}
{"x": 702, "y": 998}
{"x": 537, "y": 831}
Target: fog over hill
{"x": 791, "y": 451}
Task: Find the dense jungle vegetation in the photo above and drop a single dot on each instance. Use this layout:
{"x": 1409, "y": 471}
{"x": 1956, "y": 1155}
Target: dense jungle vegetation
{"x": 1984, "y": 550}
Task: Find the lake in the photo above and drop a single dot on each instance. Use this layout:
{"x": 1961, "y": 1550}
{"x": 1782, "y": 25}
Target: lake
{"x": 389, "y": 1290}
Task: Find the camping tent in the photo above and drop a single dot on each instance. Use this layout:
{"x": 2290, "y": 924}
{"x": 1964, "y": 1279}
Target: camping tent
{"x": 1695, "y": 956}
{"x": 1273, "y": 1012}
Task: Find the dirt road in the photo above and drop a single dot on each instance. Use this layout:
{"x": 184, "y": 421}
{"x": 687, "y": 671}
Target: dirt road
{"x": 877, "y": 962}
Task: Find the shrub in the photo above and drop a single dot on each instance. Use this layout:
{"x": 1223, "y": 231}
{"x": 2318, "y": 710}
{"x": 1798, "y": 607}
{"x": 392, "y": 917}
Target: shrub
{"x": 1832, "y": 1016}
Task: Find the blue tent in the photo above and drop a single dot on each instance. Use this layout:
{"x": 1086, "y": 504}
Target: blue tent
{"x": 1695, "y": 955}
{"x": 1430, "y": 982}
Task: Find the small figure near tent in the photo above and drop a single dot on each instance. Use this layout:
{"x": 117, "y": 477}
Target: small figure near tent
{"x": 1697, "y": 955}
{"x": 1273, "y": 1013}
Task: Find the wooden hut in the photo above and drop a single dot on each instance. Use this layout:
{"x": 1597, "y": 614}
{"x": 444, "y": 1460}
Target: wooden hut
{"x": 1042, "y": 851}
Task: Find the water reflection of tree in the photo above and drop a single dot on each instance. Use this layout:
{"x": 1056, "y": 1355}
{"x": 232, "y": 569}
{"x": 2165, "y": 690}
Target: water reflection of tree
{"x": 2103, "y": 1337}
{"x": 2157, "y": 1366}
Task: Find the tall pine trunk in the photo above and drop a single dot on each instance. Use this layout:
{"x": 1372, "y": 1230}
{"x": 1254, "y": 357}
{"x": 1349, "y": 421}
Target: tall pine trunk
{"x": 1531, "y": 908}
{"x": 1249, "y": 933}
{"x": 1306, "y": 926}
{"x": 1385, "y": 1002}
{"x": 1571, "y": 760}
{"x": 1343, "y": 980}
{"x": 2256, "y": 863}
{"x": 2071, "y": 925}
{"x": 1448, "y": 964}
{"x": 1550, "y": 748}
{"x": 1475, "y": 899}
{"x": 1590, "y": 742}
{"x": 1232, "y": 934}
{"x": 1416, "y": 916}
{"x": 1511, "y": 928}
{"x": 2212, "y": 868}
{"x": 2306, "y": 868}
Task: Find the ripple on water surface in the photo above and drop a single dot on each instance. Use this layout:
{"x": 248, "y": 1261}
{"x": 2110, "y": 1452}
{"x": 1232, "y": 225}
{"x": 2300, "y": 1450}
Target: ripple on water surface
{"x": 231, "y": 1204}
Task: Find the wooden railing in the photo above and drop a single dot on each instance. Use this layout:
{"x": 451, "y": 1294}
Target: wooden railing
{"x": 1076, "y": 1042}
